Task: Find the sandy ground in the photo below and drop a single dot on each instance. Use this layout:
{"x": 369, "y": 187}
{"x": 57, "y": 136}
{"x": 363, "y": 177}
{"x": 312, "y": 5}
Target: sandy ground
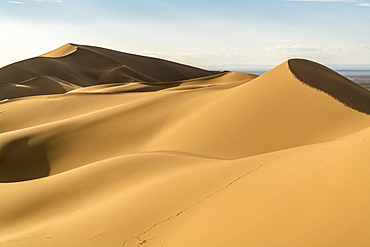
{"x": 102, "y": 148}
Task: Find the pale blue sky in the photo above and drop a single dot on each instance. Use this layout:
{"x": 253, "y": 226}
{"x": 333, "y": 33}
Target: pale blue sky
{"x": 207, "y": 33}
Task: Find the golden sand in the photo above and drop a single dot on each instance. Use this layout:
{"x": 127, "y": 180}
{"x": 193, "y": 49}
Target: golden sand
{"x": 63, "y": 51}
{"x": 125, "y": 150}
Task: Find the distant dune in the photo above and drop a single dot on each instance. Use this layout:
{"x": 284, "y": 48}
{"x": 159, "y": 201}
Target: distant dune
{"x": 72, "y": 66}
{"x": 104, "y": 148}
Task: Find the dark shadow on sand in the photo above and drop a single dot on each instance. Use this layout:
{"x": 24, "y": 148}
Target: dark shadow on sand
{"x": 332, "y": 83}
{"x": 19, "y": 161}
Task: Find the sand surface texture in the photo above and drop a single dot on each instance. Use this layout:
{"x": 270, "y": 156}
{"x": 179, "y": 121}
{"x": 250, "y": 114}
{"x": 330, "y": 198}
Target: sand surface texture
{"x": 103, "y": 148}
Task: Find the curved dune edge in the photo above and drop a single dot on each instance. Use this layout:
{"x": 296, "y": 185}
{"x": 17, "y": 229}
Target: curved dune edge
{"x": 62, "y": 51}
{"x": 324, "y": 79}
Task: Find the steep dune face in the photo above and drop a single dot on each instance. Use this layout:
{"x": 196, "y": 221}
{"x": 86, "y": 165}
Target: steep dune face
{"x": 327, "y": 80}
{"x": 82, "y": 65}
{"x": 227, "y": 159}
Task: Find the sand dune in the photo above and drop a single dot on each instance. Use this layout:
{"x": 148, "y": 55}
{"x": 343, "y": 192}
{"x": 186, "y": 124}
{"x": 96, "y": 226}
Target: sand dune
{"x": 138, "y": 151}
{"x": 82, "y": 65}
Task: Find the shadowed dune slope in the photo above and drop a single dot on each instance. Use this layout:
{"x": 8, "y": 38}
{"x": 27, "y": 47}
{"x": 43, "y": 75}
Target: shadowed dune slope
{"x": 329, "y": 81}
{"x": 225, "y": 159}
{"x": 82, "y": 65}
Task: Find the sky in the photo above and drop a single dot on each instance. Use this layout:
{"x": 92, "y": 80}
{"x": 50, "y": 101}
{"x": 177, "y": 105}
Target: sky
{"x": 205, "y": 33}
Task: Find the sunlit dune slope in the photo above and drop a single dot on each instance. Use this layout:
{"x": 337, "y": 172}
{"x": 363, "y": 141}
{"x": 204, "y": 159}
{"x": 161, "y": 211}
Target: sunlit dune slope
{"x": 272, "y": 112}
{"x": 202, "y": 159}
{"x": 62, "y": 51}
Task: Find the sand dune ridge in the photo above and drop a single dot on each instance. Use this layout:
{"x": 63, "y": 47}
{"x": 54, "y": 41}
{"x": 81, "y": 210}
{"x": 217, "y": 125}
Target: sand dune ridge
{"x": 327, "y": 80}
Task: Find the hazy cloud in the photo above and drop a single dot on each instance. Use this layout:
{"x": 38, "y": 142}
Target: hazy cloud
{"x": 348, "y": 1}
{"x": 35, "y": 1}
{"x": 356, "y": 2}
{"x": 363, "y": 4}
{"x": 293, "y": 48}
{"x": 50, "y": 1}
{"x": 211, "y": 56}
{"x": 357, "y": 48}
{"x": 314, "y": 50}
{"x": 226, "y": 52}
